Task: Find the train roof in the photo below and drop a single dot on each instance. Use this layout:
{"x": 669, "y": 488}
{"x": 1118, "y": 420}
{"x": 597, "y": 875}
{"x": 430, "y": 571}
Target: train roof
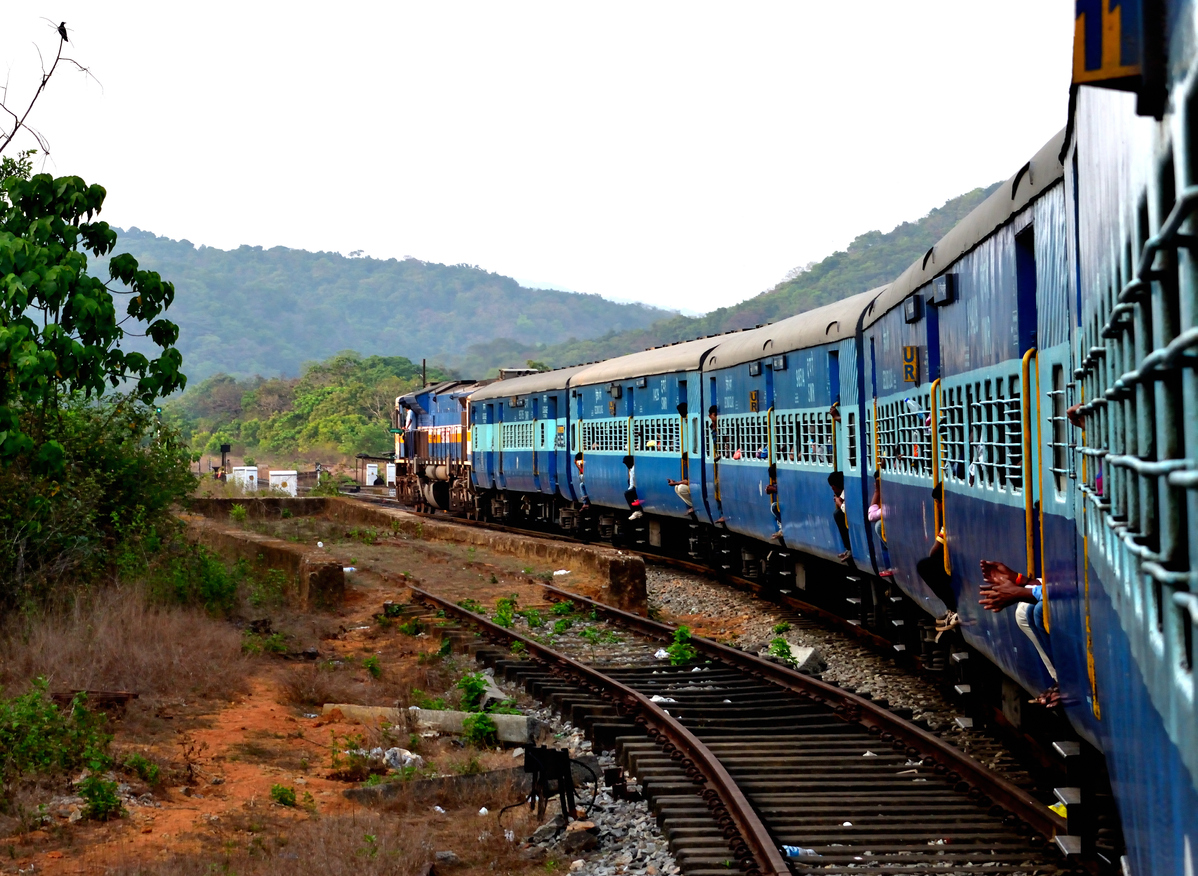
{"x": 823, "y": 325}
{"x": 683, "y": 356}
{"x": 542, "y": 381}
{"x": 411, "y": 399}
{"x": 1032, "y": 180}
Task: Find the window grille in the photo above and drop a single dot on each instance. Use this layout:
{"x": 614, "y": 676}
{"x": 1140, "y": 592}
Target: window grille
{"x": 657, "y": 435}
{"x": 852, "y": 425}
{"x": 748, "y": 433}
{"x": 804, "y": 437}
{"x": 1060, "y": 431}
{"x": 952, "y": 433}
{"x": 609, "y": 434}
{"x": 542, "y": 444}
{"x": 995, "y": 433}
{"x": 517, "y": 436}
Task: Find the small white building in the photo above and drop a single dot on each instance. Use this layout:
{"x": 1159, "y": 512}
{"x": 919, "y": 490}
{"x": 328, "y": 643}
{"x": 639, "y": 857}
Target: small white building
{"x": 246, "y": 477}
{"x": 284, "y": 481}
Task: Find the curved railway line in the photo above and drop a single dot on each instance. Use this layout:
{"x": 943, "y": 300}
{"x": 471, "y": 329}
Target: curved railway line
{"x": 751, "y": 756}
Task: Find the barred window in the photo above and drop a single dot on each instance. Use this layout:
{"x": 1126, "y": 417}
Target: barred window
{"x": 804, "y": 437}
{"x": 517, "y": 436}
{"x": 852, "y": 426}
{"x": 952, "y": 432}
{"x": 995, "y": 433}
{"x": 609, "y": 434}
{"x": 1060, "y": 431}
{"x": 905, "y": 436}
{"x": 747, "y": 433}
{"x": 657, "y": 435}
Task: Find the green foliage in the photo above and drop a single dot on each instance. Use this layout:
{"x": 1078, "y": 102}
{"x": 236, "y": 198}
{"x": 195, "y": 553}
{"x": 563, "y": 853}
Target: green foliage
{"x": 100, "y": 796}
{"x": 255, "y": 644}
{"x": 411, "y": 627}
{"x": 142, "y": 767}
{"x": 421, "y": 700}
{"x": 196, "y": 576}
{"x": 39, "y": 739}
{"x": 518, "y": 647}
{"x": 365, "y": 535}
{"x": 480, "y": 731}
{"x": 284, "y": 795}
{"x": 446, "y": 647}
{"x": 681, "y": 651}
{"x": 783, "y": 627}
{"x": 478, "y": 737}
{"x": 268, "y": 589}
{"x": 106, "y": 511}
{"x": 505, "y": 609}
{"x": 59, "y": 329}
{"x": 238, "y": 513}
{"x": 471, "y": 606}
{"x": 473, "y": 686}
{"x": 561, "y": 625}
{"x": 563, "y": 608}
{"x": 780, "y": 648}
{"x": 371, "y": 665}
{"x": 533, "y": 617}
{"x": 591, "y": 635}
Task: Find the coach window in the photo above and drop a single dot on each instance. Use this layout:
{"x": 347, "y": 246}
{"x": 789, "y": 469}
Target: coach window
{"x": 852, "y": 439}
{"x": 1060, "y": 433}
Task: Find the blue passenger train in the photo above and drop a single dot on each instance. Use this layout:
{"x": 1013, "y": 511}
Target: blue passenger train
{"x": 1014, "y": 420}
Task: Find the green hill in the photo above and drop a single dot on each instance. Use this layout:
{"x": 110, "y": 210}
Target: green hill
{"x": 873, "y": 259}
{"x": 254, "y": 311}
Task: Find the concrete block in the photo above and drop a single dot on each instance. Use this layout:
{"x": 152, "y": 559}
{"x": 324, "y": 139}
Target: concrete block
{"x": 511, "y": 729}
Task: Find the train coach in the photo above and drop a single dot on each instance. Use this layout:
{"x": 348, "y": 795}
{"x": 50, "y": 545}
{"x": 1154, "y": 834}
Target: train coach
{"x": 1024, "y": 394}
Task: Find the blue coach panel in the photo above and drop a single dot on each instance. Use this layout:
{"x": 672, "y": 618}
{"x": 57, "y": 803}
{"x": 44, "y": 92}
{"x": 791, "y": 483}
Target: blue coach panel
{"x": 1130, "y": 182}
{"x": 437, "y": 420}
{"x": 647, "y": 405}
{"x": 775, "y": 439}
{"x": 953, "y": 341}
{"x": 519, "y": 430}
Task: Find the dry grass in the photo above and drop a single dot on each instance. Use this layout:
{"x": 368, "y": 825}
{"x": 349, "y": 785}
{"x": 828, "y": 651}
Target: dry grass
{"x": 116, "y": 639}
{"x": 315, "y": 684}
{"x": 364, "y": 843}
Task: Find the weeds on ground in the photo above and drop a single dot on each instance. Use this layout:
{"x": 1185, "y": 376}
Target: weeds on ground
{"x": 145, "y": 769}
{"x": 561, "y": 625}
{"x": 780, "y": 648}
{"x": 533, "y": 617}
{"x": 473, "y": 686}
{"x": 563, "y": 608}
{"x": 518, "y": 647}
{"x": 480, "y": 731}
{"x": 781, "y": 628}
{"x": 284, "y": 795}
{"x": 421, "y": 700}
{"x": 412, "y": 627}
{"x": 471, "y": 606}
{"x": 681, "y": 651}
{"x": 505, "y": 608}
{"x": 254, "y": 644}
{"x": 238, "y": 513}
{"x": 372, "y": 666}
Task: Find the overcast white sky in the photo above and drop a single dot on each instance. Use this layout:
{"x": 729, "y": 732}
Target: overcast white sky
{"x": 684, "y": 154}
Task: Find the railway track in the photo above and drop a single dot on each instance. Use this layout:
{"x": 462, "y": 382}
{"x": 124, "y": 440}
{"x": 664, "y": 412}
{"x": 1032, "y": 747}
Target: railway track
{"x": 740, "y": 756}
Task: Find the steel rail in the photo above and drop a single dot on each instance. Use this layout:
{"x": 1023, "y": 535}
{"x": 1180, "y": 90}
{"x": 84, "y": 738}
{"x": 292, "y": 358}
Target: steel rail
{"x": 901, "y": 735}
{"x": 748, "y": 837}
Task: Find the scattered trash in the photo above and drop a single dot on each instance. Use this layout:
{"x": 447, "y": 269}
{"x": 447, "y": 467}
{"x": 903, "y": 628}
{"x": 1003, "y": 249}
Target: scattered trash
{"x": 509, "y": 835}
{"x": 847, "y": 824}
{"x": 697, "y": 669}
{"x": 799, "y": 852}
{"x": 398, "y": 758}
{"x": 439, "y": 810}
{"x": 727, "y": 701}
{"x": 484, "y": 811}
{"x": 1059, "y": 809}
{"x": 311, "y": 715}
{"x": 320, "y": 544}
{"x": 562, "y": 572}
{"x": 517, "y": 753}
{"x": 348, "y": 569}
{"x": 869, "y": 754}
{"x": 907, "y": 772}
{"x": 662, "y": 654}
{"x": 657, "y": 698}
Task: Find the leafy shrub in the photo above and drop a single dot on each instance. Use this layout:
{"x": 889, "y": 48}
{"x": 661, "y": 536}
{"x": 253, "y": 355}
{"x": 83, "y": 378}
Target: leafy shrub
{"x": 473, "y": 766}
{"x": 254, "y": 644}
{"x": 285, "y": 514}
{"x": 681, "y": 651}
{"x": 561, "y": 625}
{"x": 780, "y": 648}
{"x": 473, "y": 686}
{"x": 480, "y": 731}
{"x": 412, "y": 627}
{"x": 238, "y": 513}
{"x": 284, "y": 795}
{"x": 38, "y": 738}
{"x": 505, "y": 608}
{"x": 421, "y": 700}
{"x": 471, "y": 605}
{"x": 533, "y": 617}
{"x": 193, "y": 575}
{"x": 591, "y": 635}
{"x": 371, "y": 665}
{"x": 563, "y": 608}
{"x": 781, "y": 628}
{"x": 518, "y": 647}
{"x": 142, "y": 767}
{"x": 269, "y": 589}
{"x": 101, "y": 798}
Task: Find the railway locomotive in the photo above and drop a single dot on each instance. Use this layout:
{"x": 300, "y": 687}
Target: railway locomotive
{"x": 1024, "y": 393}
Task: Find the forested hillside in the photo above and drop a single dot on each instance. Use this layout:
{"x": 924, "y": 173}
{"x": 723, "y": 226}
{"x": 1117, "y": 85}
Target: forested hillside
{"x": 339, "y": 407}
{"x": 872, "y": 259}
{"x": 254, "y": 311}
